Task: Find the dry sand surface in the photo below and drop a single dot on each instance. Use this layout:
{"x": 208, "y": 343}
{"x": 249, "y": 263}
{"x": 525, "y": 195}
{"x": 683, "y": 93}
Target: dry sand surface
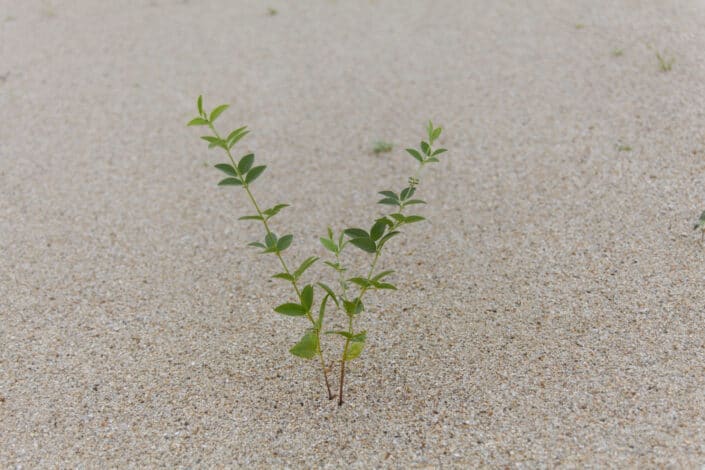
{"x": 551, "y": 312}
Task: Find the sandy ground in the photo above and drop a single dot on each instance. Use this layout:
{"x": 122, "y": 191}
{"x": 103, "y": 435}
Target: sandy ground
{"x": 550, "y": 313}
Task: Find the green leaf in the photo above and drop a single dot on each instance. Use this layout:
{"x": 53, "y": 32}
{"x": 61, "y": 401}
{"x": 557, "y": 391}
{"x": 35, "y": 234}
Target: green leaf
{"x": 414, "y": 201}
{"x": 389, "y": 194}
{"x": 407, "y": 193}
{"x": 425, "y": 148}
{"x": 438, "y": 152}
{"x": 382, "y": 275}
{"x": 429, "y": 129}
{"x": 354, "y": 349}
{"x": 231, "y": 142}
{"x": 437, "y": 133}
{"x": 304, "y": 266}
{"x": 365, "y": 244}
{"x": 307, "y": 297}
{"x": 257, "y": 245}
{"x": 250, "y": 217}
{"x": 356, "y": 233}
{"x": 377, "y": 229}
{"x": 307, "y": 347}
{"x": 284, "y": 242}
{"x": 388, "y": 201}
{"x": 385, "y": 238}
{"x": 245, "y": 163}
{"x": 254, "y": 173}
{"x": 236, "y": 133}
{"x": 272, "y": 211}
{"x": 285, "y": 276}
{"x": 199, "y": 105}
{"x": 329, "y": 245}
{"x": 432, "y": 160}
{"x": 384, "y": 285}
{"x": 226, "y": 168}
{"x": 270, "y": 240}
{"x": 335, "y": 266}
{"x": 344, "y": 334}
{"x": 410, "y": 219}
{"x": 197, "y": 122}
{"x": 415, "y": 153}
{"x": 330, "y": 292}
{"x": 322, "y": 311}
{"x": 353, "y": 307}
{"x": 360, "y": 281}
{"x": 230, "y": 182}
{"x": 291, "y": 309}
{"x": 217, "y": 112}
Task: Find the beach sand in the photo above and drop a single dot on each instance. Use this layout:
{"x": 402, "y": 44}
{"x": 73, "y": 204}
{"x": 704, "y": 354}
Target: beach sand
{"x": 550, "y": 312}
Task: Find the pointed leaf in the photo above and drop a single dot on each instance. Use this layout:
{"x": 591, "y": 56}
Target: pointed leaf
{"x": 245, "y": 163}
{"x": 356, "y": 233}
{"x": 388, "y": 201}
{"x": 414, "y": 201}
{"x": 217, "y": 112}
{"x": 382, "y": 275}
{"x": 322, "y": 311}
{"x": 353, "y": 307}
{"x": 307, "y": 297}
{"x": 385, "y": 238}
{"x": 437, "y": 133}
{"x": 291, "y": 309}
{"x": 410, "y": 219}
{"x": 384, "y": 285}
{"x": 335, "y": 266}
{"x": 284, "y": 242}
{"x": 254, "y": 173}
{"x": 226, "y": 168}
{"x": 360, "y": 281}
{"x": 344, "y": 334}
{"x": 199, "y": 105}
{"x": 304, "y": 266}
{"x": 407, "y": 192}
{"x": 197, "y": 122}
{"x": 389, "y": 194}
{"x": 307, "y": 347}
{"x": 270, "y": 240}
{"x": 250, "y": 217}
{"x": 432, "y": 160}
{"x": 257, "y": 245}
{"x": 272, "y": 211}
{"x": 365, "y": 244}
{"x": 236, "y": 138}
{"x": 377, "y": 229}
{"x": 230, "y": 182}
{"x": 234, "y": 134}
{"x": 330, "y": 292}
{"x": 284, "y": 276}
{"x": 425, "y": 148}
{"x": 415, "y": 153}
{"x": 438, "y": 152}
{"x": 329, "y": 245}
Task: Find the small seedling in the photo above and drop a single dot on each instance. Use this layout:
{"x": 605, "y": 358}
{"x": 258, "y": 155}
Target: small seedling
{"x": 665, "y": 64}
{"x": 623, "y": 148}
{"x": 347, "y": 297}
{"x": 579, "y": 26}
{"x": 272, "y": 11}
{"x": 617, "y": 52}
{"x": 382, "y": 146}
{"x": 700, "y": 225}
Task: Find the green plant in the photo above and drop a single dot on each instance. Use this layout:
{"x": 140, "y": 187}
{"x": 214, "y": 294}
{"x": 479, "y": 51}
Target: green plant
{"x": 623, "y": 148}
{"x": 382, "y": 146}
{"x": 700, "y": 225}
{"x": 350, "y": 291}
{"x": 617, "y": 52}
{"x": 272, "y": 11}
{"x": 665, "y": 64}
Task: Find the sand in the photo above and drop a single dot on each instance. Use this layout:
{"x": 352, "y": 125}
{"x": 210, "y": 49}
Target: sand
{"x": 550, "y": 313}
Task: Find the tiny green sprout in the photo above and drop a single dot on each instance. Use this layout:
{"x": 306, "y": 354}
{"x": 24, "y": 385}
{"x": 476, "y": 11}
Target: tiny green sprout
{"x": 700, "y": 225}
{"x": 272, "y": 11}
{"x": 579, "y": 26}
{"x": 665, "y": 64}
{"x": 623, "y": 148}
{"x": 382, "y": 146}
{"x": 315, "y": 301}
{"x": 617, "y": 52}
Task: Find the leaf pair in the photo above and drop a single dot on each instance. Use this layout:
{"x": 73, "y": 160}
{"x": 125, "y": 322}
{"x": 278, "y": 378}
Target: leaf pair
{"x": 266, "y": 214}
{"x": 425, "y": 153}
{"x": 272, "y": 244}
{"x": 293, "y": 277}
{"x": 330, "y": 245}
{"x": 391, "y": 198}
{"x": 203, "y": 119}
{"x": 298, "y": 309}
{"x": 356, "y": 343}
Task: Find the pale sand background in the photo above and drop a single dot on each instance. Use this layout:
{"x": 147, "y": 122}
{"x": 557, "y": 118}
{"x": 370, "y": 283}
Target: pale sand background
{"x": 551, "y": 313}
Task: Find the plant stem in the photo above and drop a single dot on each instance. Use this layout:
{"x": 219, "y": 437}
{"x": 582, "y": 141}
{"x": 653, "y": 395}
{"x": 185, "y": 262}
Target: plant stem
{"x": 281, "y": 261}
